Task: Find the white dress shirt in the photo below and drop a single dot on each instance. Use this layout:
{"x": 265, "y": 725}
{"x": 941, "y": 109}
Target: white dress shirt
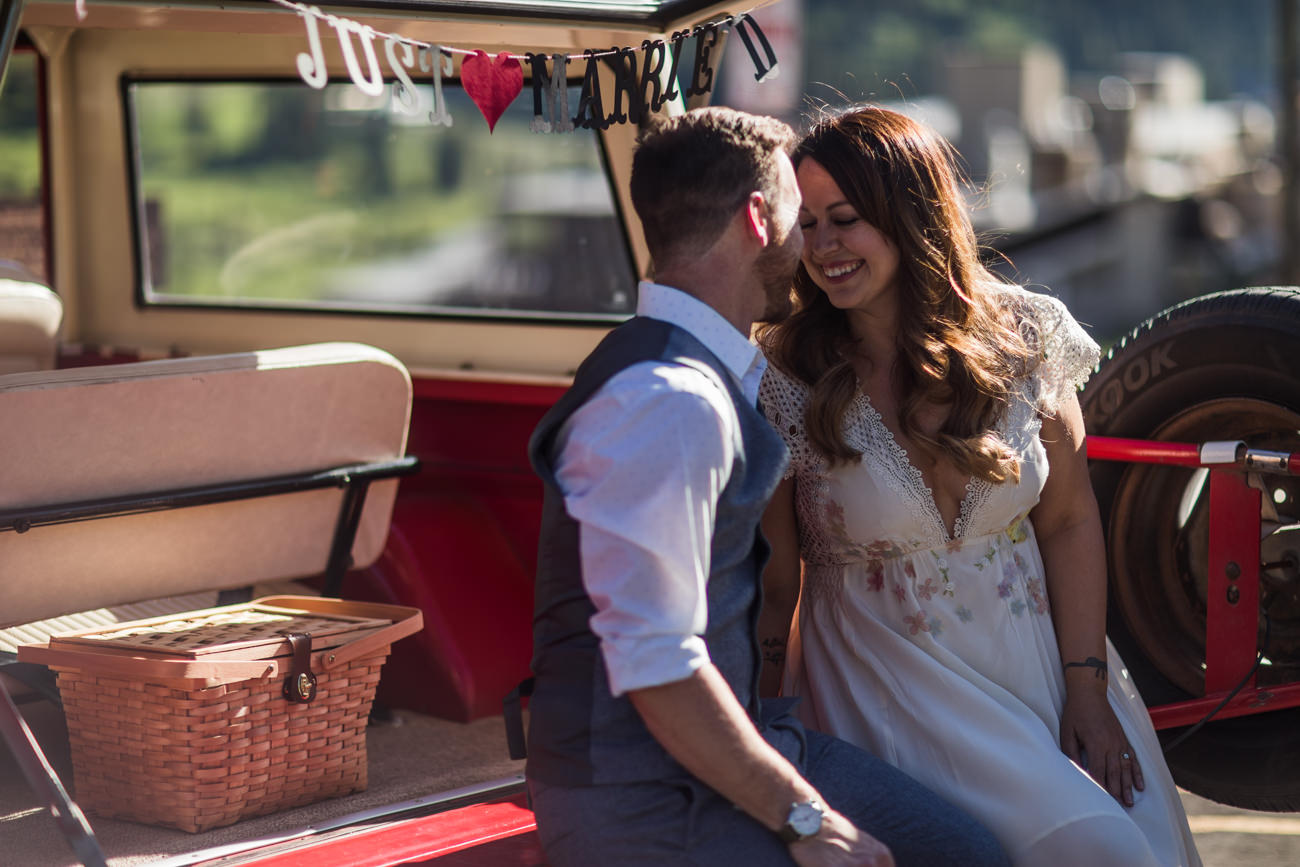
{"x": 641, "y": 466}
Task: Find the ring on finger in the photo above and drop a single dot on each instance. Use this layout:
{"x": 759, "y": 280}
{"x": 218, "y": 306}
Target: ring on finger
{"x": 1125, "y": 756}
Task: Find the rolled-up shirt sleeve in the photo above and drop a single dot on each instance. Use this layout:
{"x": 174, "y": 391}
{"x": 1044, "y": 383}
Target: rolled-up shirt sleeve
{"x": 641, "y": 466}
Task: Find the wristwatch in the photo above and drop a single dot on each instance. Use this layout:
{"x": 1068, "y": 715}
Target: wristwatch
{"x": 803, "y": 821}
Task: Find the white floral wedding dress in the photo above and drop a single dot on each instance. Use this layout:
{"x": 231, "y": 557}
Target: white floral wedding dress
{"x": 934, "y": 648}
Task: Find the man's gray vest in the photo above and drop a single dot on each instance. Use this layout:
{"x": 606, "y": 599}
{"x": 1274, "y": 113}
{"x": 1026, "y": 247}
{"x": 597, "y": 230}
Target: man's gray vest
{"x": 579, "y": 734}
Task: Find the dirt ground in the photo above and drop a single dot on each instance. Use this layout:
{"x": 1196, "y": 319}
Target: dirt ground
{"x": 1229, "y": 837}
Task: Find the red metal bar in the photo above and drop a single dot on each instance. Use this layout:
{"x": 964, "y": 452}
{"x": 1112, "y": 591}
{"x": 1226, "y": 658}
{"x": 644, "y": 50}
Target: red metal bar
{"x": 480, "y": 835}
{"x": 1232, "y": 603}
{"x": 1232, "y": 615}
{"x": 1248, "y": 701}
{"x": 1143, "y": 451}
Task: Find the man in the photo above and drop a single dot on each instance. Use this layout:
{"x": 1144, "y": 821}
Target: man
{"x": 647, "y": 741}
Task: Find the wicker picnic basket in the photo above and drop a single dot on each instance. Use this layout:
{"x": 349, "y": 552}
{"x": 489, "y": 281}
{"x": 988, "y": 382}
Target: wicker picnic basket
{"x": 200, "y": 719}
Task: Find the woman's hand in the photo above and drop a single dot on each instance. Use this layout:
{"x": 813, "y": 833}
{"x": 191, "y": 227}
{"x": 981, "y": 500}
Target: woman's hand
{"x": 1092, "y": 737}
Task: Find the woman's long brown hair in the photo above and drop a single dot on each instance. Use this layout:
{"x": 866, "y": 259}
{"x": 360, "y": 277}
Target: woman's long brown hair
{"x": 958, "y": 346}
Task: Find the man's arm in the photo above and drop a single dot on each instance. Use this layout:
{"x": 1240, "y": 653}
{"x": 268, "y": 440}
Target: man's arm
{"x": 641, "y": 467}
{"x": 701, "y": 724}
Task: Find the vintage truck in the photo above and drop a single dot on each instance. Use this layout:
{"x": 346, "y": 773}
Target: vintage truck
{"x": 232, "y": 205}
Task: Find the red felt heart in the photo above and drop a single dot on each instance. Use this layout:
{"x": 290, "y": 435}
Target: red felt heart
{"x": 492, "y": 82}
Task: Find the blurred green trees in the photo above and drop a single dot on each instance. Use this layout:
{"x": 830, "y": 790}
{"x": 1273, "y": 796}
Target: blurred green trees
{"x": 887, "y": 49}
{"x": 20, "y": 156}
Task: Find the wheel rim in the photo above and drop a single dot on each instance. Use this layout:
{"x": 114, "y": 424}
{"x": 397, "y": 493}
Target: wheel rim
{"x": 1159, "y": 546}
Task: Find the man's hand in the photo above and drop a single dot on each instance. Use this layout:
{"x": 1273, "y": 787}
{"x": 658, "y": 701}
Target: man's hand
{"x": 700, "y": 723}
{"x": 839, "y": 843}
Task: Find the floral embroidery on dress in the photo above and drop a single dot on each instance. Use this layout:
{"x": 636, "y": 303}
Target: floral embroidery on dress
{"x": 1011, "y": 571}
{"x": 941, "y": 562}
{"x": 883, "y": 550}
{"x": 927, "y": 590}
{"x": 900, "y": 592}
{"x": 870, "y": 553}
{"x": 1019, "y": 530}
{"x": 875, "y": 576}
{"x": 936, "y": 626}
{"x": 1019, "y": 585}
{"x": 964, "y": 614}
{"x": 943, "y": 573}
{"x": 1037, "y": 596}
{"x": 917, "y": 623}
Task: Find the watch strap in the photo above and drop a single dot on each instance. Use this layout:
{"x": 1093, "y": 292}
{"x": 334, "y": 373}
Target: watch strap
{"x": 789, "y": 833}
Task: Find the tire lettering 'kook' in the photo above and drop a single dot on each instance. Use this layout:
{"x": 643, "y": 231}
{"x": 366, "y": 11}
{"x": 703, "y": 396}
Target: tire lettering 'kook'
{"x": 1132, "y": 379}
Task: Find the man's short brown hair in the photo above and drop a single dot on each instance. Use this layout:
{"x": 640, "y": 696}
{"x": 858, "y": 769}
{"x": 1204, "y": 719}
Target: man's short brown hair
{"x": 691, "y": 172}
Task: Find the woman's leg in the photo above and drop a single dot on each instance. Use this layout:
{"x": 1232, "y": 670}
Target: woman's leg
{"x": 1101, "y": 839}
{"x": 918, "y": 826}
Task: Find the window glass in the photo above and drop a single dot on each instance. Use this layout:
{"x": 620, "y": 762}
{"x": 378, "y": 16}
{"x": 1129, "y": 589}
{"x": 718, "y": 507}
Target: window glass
{"x": 275, "y": 194}
{"x": 22, "y": 216}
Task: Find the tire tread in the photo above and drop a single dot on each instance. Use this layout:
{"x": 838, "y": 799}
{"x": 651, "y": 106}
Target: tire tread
{"x": 1276, "y": 302}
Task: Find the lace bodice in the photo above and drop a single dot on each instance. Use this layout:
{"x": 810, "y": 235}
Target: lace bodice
{"x": 882, "y": 504}
{"x": 1067, "y": 355}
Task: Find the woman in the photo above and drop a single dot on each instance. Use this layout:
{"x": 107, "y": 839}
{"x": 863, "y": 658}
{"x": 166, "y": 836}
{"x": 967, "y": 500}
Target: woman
{"x": 952, "y": 611}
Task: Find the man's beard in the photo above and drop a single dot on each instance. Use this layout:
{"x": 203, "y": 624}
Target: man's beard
{"x": 775, "y": 268}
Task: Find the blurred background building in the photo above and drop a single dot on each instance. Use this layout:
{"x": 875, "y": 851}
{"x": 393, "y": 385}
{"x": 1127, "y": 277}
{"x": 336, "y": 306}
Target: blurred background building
{"x": 1121, "y": 157}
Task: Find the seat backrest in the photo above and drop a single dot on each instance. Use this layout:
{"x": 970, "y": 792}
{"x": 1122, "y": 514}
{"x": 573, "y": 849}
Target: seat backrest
{"x": 98, "y": 432}
{"x": 30, "y": 316}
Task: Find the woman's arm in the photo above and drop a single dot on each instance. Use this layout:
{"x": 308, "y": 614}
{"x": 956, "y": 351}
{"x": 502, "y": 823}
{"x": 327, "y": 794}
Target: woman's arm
{"x": 780, "y": 586}
{"x": 1070, "y": 539}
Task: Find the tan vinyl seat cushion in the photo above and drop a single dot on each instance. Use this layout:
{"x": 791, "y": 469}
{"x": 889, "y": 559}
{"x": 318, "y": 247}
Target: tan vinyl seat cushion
{"x": 30, "y": 316}
{"x": 95, "y": 432}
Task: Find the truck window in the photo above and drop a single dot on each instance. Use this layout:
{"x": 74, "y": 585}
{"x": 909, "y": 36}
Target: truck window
{"x": 276, "y": 195}
{"x": 22, "y": 212}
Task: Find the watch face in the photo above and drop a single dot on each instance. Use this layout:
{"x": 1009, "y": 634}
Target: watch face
{"x": 805, "y": 819}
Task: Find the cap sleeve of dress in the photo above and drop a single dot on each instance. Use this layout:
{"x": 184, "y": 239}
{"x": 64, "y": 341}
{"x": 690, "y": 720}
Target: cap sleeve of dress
{"x": 1067, "y": 355}
{"x": 784, "y": 400}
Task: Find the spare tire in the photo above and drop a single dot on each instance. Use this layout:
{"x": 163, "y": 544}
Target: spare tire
{"x": 1221, "y": 367}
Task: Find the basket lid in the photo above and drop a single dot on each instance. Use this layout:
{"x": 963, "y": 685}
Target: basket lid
{"x": 198, "y": 649}
{"x": 254, "y": 630}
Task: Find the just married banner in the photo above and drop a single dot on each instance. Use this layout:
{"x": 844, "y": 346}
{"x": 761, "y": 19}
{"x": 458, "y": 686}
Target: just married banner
{"x": 644, "y": 76}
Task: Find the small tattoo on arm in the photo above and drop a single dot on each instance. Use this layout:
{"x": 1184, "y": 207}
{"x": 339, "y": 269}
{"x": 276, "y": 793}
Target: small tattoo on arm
{"x": 774, "y": 651}
{"x": 1100, "y": 669}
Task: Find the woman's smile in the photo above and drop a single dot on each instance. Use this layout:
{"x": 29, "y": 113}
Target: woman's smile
{"x": 838, "y": 270}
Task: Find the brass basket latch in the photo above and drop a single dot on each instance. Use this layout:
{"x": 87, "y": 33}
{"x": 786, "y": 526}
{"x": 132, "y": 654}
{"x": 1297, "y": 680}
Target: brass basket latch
{"x": 300, "y": 685}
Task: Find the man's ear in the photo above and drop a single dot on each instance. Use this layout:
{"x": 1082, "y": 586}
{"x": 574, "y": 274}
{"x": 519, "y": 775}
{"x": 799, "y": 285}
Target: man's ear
{"x": 756, "y": 217}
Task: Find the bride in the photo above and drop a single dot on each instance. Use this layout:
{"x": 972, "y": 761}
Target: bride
{"x": 951, "y": 612}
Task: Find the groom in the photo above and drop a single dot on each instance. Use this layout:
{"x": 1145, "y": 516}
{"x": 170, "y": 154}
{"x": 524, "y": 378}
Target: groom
{"x": 647, "y": 741}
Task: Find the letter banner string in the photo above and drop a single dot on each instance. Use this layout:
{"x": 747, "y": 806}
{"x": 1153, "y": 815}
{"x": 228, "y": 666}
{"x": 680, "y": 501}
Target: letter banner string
{"x": 494, "y": 81}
